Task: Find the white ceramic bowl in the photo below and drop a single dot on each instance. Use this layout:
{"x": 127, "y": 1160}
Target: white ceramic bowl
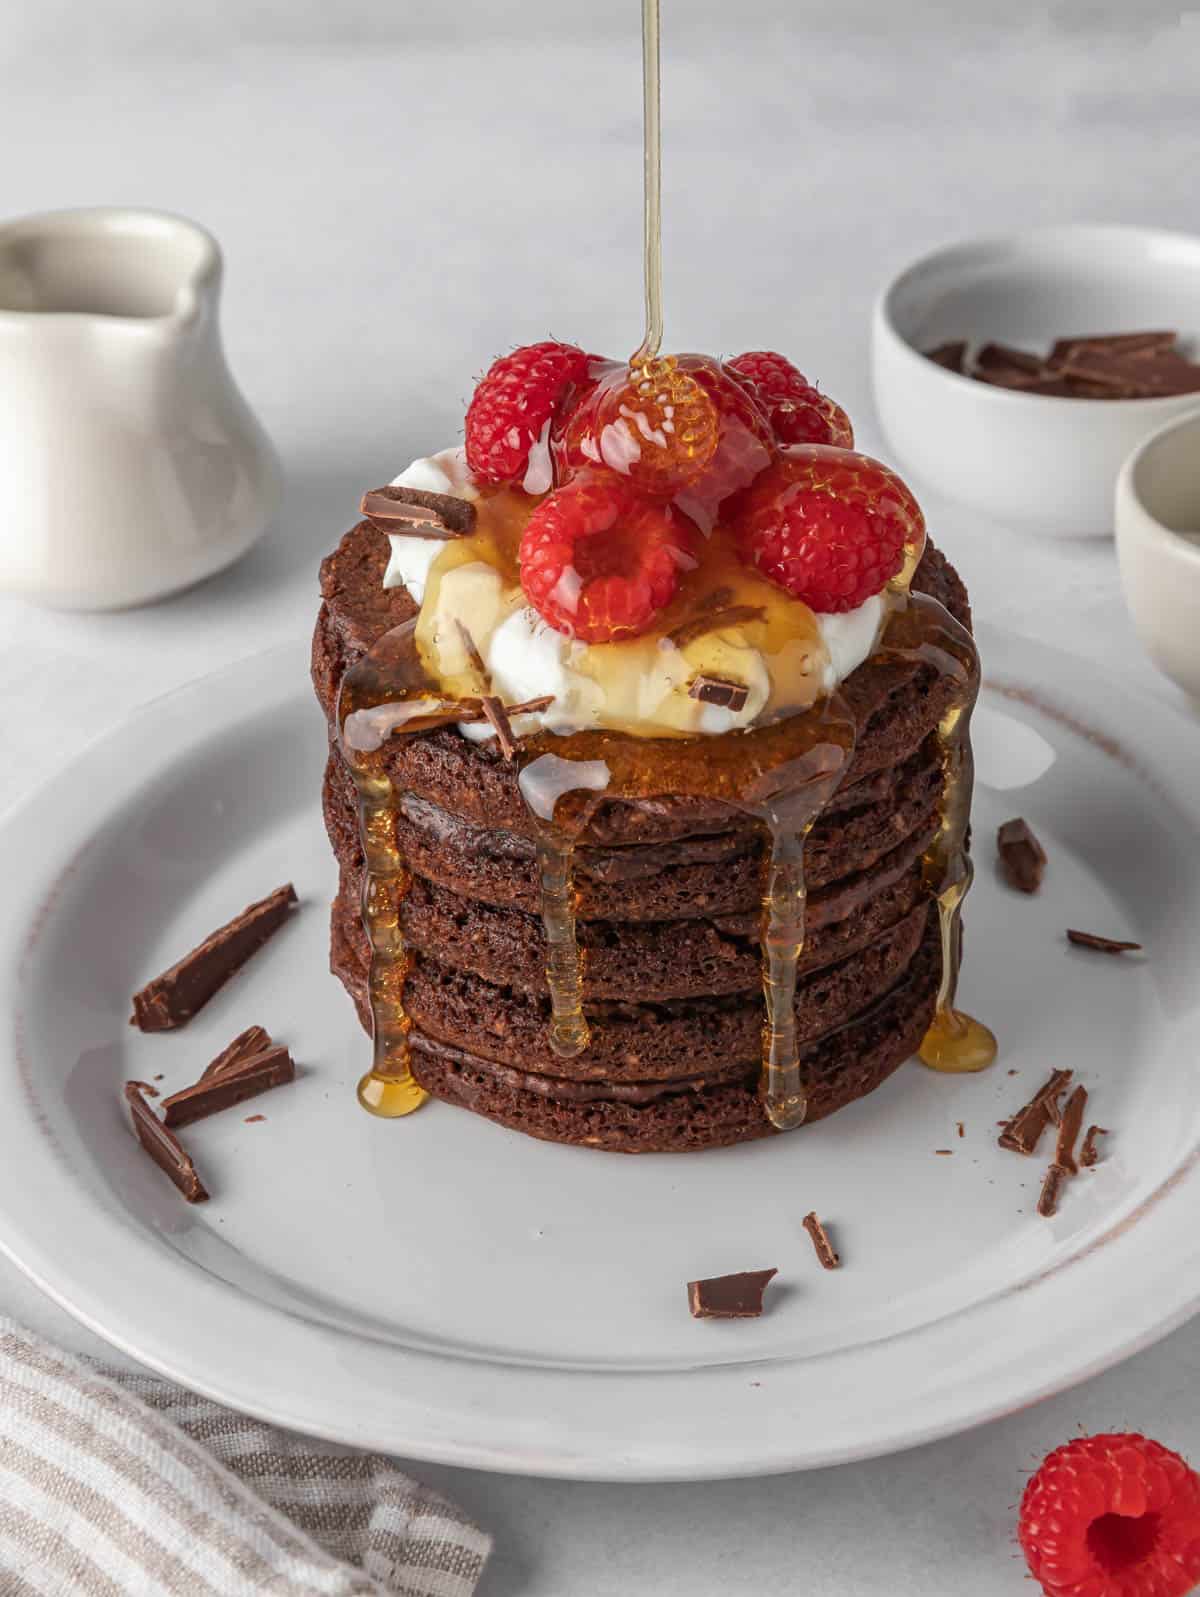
{"x": 1035, "y": 462}
{"x": 1157, "y": 507}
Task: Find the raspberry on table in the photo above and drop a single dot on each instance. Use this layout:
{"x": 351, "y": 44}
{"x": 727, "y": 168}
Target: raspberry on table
{"x": 799, "y": 413}
{"x": 1112, "y": 1516}
{"x": 599, "y": 563}
{"x": 514, "y": 402}
{"x": 828, "y": 526}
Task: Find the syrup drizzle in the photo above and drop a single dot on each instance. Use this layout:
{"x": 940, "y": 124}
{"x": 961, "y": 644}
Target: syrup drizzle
{"x": 652, "y": 184}
{"x": 373, "y": 694}
{"x": 545, "y": 782}
{"x": 922, "y": 631}
{"x": 783, "y": 1089}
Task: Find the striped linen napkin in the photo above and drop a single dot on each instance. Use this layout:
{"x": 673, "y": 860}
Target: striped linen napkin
{"x": 118, "y": 1485}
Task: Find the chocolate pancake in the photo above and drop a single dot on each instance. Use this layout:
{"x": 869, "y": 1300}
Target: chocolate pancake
{"x": 670, "y": 892}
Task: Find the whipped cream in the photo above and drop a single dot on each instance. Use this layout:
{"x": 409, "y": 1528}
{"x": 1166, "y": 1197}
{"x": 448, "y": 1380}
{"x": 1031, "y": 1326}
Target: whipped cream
{"x": 526, "y": 658}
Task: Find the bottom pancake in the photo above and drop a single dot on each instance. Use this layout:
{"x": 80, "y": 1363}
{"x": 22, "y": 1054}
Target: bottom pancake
{"x": 843, "y": 1066}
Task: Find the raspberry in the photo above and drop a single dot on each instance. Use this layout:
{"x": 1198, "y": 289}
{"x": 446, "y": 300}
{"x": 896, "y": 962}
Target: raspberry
{"x": 799, "y": 412}
{"x": 654, "y": 425}
{"x": 829, "y": 526}
{"x": 513, "y": 403}
{"x": 599, "y": 563}
{"x": 743, "y": 445}
{"x": 1112, "y": 1516}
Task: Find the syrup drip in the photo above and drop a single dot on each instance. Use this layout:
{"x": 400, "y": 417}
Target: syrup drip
{"x": 783, "y": 1089}
{"x": 545, "y": 783}
{"x": 569, "y": 1034}
{"x": 370, "y": 706}
{"x": 652, "y": 180}
{"x": 923, "y": 631}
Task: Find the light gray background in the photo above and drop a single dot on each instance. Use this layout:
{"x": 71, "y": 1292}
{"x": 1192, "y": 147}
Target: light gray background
{"x": 403, "y": 190}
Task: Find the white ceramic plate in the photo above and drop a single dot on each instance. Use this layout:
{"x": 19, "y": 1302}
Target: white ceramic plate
{"x": 447, "y": 1289}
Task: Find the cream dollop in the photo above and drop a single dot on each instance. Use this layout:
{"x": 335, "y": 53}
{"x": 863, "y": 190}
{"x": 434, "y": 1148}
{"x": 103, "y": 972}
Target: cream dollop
{"x": 526, "y": 658}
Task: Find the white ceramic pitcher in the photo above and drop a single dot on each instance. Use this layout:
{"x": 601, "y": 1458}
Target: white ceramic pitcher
{"x": 130, "y": 465}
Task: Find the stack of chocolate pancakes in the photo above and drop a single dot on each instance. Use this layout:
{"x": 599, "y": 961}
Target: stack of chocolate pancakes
{"x": 670, "y": 895}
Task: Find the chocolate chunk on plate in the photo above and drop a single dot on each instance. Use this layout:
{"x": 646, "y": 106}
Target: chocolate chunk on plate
{"x": 259, "y": 1073}
{"x": 163, "y": 1146}
{"x": 254, "y": 1040}
{"x": 1089, "y": 1154}
{"x": 1051, "y": 1189}
{"x": 1102, "y": 945}
{"x": 827, "y": 1254}
{"x": 1021, "y": 855}
{"x": 729, "y": 1297}
{"x": 1022, "y": 1132}
{"x": 170, "y": 1000}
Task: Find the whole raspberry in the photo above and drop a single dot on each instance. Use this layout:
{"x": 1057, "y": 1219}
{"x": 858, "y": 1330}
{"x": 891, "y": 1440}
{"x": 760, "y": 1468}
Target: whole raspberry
{"x": 741, "y": 447}
{"x": 829, "y": 526}
{"x": 653, "y": 424}
{"x": 514, "y": 402}
{"x": 599, "y": 563}
{"x": 1112, "y": 1516}
{"x": 799, "y": 412}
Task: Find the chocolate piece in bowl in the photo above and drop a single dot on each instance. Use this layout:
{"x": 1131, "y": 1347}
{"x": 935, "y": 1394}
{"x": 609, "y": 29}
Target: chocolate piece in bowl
{"x": 679, "y": 714}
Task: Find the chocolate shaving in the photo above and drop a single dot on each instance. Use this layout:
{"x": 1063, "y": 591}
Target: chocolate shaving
{"x": 144, "y": 1086}
{"x": 1103, "y": 945}
{"x": 444, "y": 712}
{"x": 492, "y": 707}
{"x": 732, "y": 616}
{"x": 729, "y": 1297}
{"x": 1047, "y": 1203}
{"x": 531, "y": 706}
{"x": 259, "y": 1073}
{"x": 253, "y": 1120}
{"x": 719, "y": 690}
{"x": 1022, "y": 1132}
{"x": 1068, "y": 1130}
{"x": 951, "y": 355}
{"x": 254, "y": 1040}
{"x": 473, "y": 654}
{"x": 962, "y": 1130}
{"x": 170, "y": 1000}
{"x": 716, "y": 600}
{"x": 417, "y": 513}
{"x": 163, "y": 1146}
{"x": 828, "y": 1258}
{"x": 1088, "y": 1154}
{"x": 1021, "y": 855}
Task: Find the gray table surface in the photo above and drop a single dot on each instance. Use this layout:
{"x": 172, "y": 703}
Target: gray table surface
{"x": 402, "y": 191}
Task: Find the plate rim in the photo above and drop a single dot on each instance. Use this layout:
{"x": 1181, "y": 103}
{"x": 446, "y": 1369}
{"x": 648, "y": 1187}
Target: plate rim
{"x": 505, "y": 1442}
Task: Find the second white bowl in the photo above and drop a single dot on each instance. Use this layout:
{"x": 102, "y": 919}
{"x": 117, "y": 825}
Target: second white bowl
{"x": 1044, "y": 464}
